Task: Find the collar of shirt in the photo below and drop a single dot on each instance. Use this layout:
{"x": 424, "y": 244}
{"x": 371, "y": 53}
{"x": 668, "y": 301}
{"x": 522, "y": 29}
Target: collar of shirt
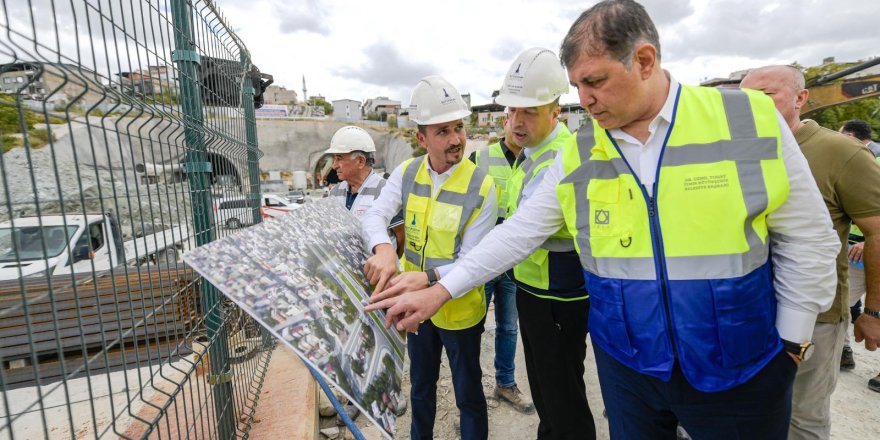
{"x": 364, "y": 184}
{"x": 438, "y": 179}
{"x": 645, "y": 158}
{"x": 511, "y": 158}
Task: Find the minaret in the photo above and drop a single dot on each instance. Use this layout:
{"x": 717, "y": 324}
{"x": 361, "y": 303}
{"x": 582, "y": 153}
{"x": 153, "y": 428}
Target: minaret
{"x": 305, "y": 94}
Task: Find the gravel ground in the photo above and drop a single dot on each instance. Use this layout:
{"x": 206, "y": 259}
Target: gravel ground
{"x": 855, "y": 408}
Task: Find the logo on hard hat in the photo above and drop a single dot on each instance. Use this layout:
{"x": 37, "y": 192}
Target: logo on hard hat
{"x": 517, "y": 67}
{"x": 447, "y": 100}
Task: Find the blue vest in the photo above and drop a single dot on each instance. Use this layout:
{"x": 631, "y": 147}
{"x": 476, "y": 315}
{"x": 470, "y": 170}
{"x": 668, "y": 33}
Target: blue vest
{"x": 683, "y": 276}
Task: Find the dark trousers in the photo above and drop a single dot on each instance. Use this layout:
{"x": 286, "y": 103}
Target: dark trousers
{"x": 463, "y": 352}
{"x": 644, "y": 407}
{"x": 554, "y": 335}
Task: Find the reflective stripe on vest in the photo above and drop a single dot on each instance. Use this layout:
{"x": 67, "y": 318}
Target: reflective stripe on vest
{"x": 434, "y": 228}
{"x": 685, "y": 274}
{"x": 367, "y": 193}
{"x": 552, "y": 271}
{"x": 493, "y": 161}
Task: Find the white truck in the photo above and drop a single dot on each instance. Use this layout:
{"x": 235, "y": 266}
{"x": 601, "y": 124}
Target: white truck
{"x": 58, "y": 245}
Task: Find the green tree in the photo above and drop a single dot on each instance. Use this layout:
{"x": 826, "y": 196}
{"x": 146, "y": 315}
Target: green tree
{"x": 369, "y": 338}
{"x": 328, "y": 108}
{"x": 357, "y": 366}
{"x": 392, "y": 121}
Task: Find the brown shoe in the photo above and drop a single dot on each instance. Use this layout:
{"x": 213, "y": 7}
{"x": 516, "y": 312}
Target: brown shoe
{"x": 516, "y": 398}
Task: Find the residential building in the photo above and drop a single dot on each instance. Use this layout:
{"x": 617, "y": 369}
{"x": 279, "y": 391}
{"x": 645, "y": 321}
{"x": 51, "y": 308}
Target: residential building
{"x": 573, "y": 115}
{"x": 138, "y": 84}
{"x": 732, "y": 80}
{"x": 279, "y": 95}
{"x": 347, "y": 110}
{"x": 489, "y": 115}
{"x": 381, "y": 104}
{"x": 52, "y": 82}
{"x": 166, "y": 76}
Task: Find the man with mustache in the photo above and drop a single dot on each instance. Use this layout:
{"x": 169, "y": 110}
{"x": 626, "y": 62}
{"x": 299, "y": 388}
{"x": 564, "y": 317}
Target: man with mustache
{"x": 449, "y": 205}
{"x": 675, "y": 196}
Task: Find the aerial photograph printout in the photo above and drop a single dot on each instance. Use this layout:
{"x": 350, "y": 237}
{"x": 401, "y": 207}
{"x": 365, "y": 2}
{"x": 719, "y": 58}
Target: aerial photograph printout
{"x": 301, "y": 276}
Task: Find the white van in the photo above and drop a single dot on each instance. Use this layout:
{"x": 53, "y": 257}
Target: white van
{"x": 233, "y": 212}
{"x": 236, "y": 212}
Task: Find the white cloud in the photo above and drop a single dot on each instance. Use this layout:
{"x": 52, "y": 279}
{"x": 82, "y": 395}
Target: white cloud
{"x": 379, "y": 48}
{"x": 723, "y": 32}
{"x": 306, "y": 16}
{"x": 359, "y": 50}
{"x": 386, "y": 66}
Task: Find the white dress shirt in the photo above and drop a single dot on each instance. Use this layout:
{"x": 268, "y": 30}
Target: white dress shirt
{"x": 390, "y": 201}
{"x": 803, "y": 244}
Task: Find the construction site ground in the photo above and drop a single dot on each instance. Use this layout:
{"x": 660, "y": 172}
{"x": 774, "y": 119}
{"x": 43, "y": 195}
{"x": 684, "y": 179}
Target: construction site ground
{"x": 855, "y": 408}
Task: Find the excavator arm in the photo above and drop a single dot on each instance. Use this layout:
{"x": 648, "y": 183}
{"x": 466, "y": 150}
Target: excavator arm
{"x": 828, "y": 95}
{"x": 826, "y": 91}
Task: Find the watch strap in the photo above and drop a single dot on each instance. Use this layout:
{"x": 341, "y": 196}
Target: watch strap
{"x": 432, "y": 277}
{"x": 792, "y": 347}
{"x": 871, "y": 312}
{"x": 799, "y": 350}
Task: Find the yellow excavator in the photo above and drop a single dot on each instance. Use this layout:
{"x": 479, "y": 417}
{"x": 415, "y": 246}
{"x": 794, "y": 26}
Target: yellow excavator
{"x": 826, "y": 91}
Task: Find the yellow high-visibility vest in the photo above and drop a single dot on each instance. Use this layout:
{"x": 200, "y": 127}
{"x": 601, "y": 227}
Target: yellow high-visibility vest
{"x": 494, "y": 162}
{"x": 534, "y": 271}
{"x": 683, "y": 275}
{"x": 434, "y": 228}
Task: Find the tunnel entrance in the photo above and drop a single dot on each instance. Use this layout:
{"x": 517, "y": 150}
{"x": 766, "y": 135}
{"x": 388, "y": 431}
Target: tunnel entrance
{"x": 323, "y": 171}
{"x": 225, "y": 176}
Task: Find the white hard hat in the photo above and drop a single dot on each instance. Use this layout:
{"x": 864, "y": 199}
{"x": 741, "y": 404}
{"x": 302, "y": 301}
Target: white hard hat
{"x": 535, "y": 78}
{"x": 435, "y": 101}
{"x": 351, "y": 138}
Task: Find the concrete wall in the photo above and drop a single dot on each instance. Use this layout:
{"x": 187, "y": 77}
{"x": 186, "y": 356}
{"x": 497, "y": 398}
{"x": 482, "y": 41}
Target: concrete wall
{"x": 297, "y": 145}
{"x": 107, "y": 151}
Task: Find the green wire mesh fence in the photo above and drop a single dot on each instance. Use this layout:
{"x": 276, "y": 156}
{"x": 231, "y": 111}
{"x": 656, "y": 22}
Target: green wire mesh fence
{"x": 128, "y": 137}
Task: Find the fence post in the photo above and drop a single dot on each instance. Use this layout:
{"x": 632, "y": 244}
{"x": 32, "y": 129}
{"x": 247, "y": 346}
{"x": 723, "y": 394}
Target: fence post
{"x": 198, "y": 171}
{"x": 250, "y": 120}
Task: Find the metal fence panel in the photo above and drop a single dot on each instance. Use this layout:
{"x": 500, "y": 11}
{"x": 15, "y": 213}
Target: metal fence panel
{"x": 128, "y": 137}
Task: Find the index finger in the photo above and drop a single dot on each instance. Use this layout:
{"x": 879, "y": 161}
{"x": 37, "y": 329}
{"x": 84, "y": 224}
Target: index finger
{"x": 380, "y": 285}
{"x": 381, "y": 305}
{"x": 387, "y": 293}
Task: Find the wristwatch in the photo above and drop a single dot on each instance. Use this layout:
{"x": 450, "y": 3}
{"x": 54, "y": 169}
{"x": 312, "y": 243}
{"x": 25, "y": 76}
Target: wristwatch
{"x": 432, "y": 277}
{"x": 871, "y": 312}
{"x": 802, "y": 351}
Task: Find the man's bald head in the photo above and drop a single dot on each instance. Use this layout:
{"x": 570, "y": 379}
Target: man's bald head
{"x": 791, "y": 75}
{"x": 786, "y": 85}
